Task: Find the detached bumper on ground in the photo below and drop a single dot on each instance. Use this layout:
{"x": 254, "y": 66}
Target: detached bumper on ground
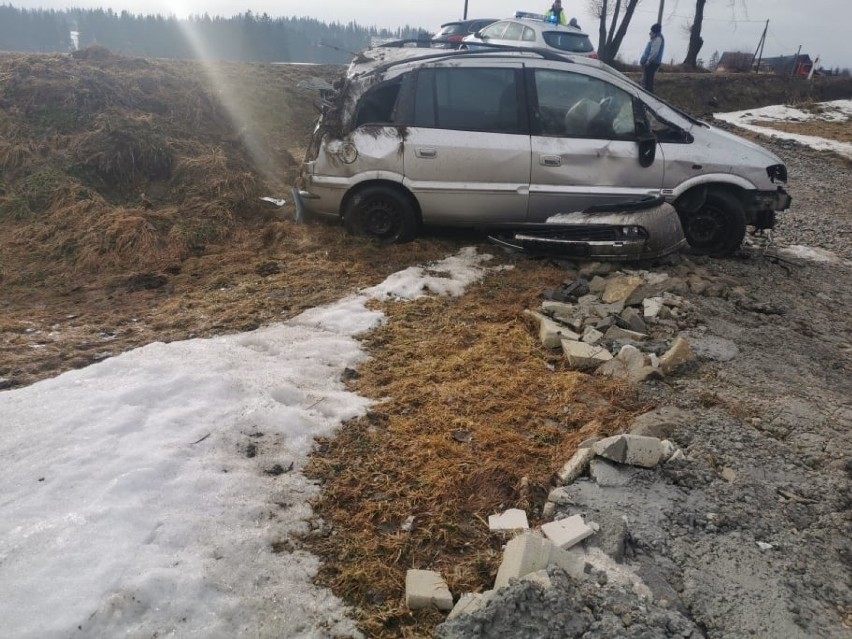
{"x": 641, "y": 230}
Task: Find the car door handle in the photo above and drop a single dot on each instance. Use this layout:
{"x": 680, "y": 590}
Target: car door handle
{"x": 550, "y": 160}
{"x": 426, "y": 152}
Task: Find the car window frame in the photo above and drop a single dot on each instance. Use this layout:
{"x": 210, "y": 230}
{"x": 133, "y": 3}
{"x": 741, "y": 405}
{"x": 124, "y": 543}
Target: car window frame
{"x": 534, "y": 107}
{"x": 580, "y": 37}
{"x": 411, "y": 96}
{"x": 362, "y": 99}
{"x": 494, "y": 25}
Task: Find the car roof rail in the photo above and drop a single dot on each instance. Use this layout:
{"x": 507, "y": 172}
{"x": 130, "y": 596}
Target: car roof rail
{"x": 545, "y": 54}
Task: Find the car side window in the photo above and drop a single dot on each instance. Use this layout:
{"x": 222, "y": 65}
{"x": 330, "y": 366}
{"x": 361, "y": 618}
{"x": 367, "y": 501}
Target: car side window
{"x": 377, "y": 106}
{"x": 469, "y": 99}
{"x": 513, "y": 31}
{"x": 529, "y": 35}
{"x": 495, "y": 30}
{"x": 575, "y": 105}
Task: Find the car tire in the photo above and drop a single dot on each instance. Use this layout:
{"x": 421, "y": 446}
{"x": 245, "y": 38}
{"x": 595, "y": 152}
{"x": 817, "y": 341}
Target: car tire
{"x": 382, "y": 213}
{"x": 718, "y": 227}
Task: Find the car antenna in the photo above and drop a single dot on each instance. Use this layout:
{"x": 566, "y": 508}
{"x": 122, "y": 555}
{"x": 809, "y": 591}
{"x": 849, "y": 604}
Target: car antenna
{"x": 359, "y": 57}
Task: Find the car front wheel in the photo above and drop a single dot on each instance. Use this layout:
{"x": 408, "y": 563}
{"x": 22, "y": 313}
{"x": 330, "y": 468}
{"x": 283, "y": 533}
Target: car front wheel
{"x": 382, "y": 213}
{"x": 718, "y": 227}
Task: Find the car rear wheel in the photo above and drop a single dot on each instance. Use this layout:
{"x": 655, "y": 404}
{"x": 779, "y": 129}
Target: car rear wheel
{"x": 718, "y": 227}
{"x": 382, "y": 213}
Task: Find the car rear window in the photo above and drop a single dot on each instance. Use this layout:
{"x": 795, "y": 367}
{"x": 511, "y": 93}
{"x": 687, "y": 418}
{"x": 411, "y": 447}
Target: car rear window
{"x": 570, "y": 42}
{"x": 452, "y": 29}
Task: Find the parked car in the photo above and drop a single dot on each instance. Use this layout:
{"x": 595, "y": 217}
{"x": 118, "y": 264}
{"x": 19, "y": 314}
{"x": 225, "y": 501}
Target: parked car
{"x": 492, "y": 138}
{"x": 451, "y": 34}
{"x": 532, "y": 32}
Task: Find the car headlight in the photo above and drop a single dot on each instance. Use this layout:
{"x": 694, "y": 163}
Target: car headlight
{"x": 777, "y": 173}
{"x": 633, "y": 232}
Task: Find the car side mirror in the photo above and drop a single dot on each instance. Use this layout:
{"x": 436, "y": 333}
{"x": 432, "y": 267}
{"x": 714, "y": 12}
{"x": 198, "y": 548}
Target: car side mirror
{"x": 480, "y": 35}
{"x": 647, "y": 144}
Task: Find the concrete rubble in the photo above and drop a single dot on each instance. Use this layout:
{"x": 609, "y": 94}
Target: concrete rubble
{"x": 512, "y": 519}
{"x": 425, "y": 588}
{"x": 625, "y": 324}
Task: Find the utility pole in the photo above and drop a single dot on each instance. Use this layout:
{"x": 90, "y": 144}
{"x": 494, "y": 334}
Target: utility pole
{"x": 660, "y": 13}
{"x": 796, "y": 61}
{"x": 465, "y": 10}
{"x": 758, "y": 53}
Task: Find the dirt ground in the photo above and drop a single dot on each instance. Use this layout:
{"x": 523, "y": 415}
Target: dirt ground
{"x": 766, "y": 408}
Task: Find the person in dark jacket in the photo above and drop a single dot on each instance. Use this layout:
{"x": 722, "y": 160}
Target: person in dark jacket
{"x": 652, "y": 57}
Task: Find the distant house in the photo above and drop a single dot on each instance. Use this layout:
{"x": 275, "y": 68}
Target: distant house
{"x": 799, "y": 65}
{"x": 742, "y": 62}
{"x": 735, "y": 62}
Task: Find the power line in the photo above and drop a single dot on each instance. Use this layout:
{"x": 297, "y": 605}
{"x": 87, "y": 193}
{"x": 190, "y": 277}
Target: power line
{"x": 728, "y": 20}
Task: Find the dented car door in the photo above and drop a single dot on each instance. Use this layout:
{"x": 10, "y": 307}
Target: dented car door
{"x": 585, "y": 149}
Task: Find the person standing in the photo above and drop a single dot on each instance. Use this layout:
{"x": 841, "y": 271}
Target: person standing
{"x": 652, "y": 57}
{"x": 556, "y": 15}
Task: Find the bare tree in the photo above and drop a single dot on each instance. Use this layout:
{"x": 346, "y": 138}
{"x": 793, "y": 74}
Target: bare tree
{"x": 609, "y": 40}
{"x": 695, "y": 39}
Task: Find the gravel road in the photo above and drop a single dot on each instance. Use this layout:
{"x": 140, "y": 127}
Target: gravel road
{"x": 749, "y": 534}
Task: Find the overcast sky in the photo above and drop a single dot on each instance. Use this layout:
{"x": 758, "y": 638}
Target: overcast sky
{"x": 821, "y": 27}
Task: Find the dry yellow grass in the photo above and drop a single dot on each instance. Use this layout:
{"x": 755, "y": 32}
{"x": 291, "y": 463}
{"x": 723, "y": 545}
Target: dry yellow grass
{"x": 472, "y": 417}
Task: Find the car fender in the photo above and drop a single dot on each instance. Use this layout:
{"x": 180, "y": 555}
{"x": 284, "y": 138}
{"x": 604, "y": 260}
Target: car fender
{"x": 725, "y": 179}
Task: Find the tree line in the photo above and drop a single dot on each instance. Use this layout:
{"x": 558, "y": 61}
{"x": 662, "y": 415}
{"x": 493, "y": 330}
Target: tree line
{"x": 243, "y": 38}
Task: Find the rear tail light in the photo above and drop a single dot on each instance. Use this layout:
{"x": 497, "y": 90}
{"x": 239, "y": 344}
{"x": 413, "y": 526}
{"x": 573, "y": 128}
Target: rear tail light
{"x": 455, "y": 38}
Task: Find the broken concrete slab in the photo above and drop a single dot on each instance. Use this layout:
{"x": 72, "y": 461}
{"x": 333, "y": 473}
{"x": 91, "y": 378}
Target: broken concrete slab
{"x": 656, "y": 289}
{"x": 660, "y": 422}
{"x": 609, "y": 474}
{"x": 551, "y": 307}
{"x": 629, "y": 361}
{"x": 470, "y": 602}
{"x": 582, "y": 356}
{"x": 620, "y": 287}
{"x": 524, "y": 554}
{"x": 590, "y": 269}
{"x": 512, "y": 519}
{"x": 570, "y": 560}
{"x": 634, "y": 450}
{"x": 575, "y": 466}
{"x": 551, "y": 333}
{"x": 597, "y": 284}
{"x": 633, "y": 321}
{"x": 606, "y": 310}
{"x": 618, "y": 334}
{"x": 591, "y": 336}
{"x": 426, "y": 588}
{"x": 567, "y": 532}
{"x": 679, "y": 354}
{"x": 651, "y": 307}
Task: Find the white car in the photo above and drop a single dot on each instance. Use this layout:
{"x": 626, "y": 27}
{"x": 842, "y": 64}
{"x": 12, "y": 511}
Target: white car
{"x": 493, "y": 138}
{"x": 532, "y": 32}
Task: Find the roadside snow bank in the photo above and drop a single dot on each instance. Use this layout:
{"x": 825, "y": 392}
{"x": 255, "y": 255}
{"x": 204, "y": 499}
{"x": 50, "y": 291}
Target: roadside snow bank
{"x": 143, "y": 495}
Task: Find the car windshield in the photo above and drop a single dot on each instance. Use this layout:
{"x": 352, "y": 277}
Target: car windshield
{"x": 570, "y": 42}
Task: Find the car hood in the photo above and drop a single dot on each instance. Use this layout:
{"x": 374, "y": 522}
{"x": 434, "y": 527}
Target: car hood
{"x": 728, "y": 138}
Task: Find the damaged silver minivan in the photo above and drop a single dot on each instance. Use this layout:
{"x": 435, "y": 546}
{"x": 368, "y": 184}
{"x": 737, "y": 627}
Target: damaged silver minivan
{"x": 493, "y": 139}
